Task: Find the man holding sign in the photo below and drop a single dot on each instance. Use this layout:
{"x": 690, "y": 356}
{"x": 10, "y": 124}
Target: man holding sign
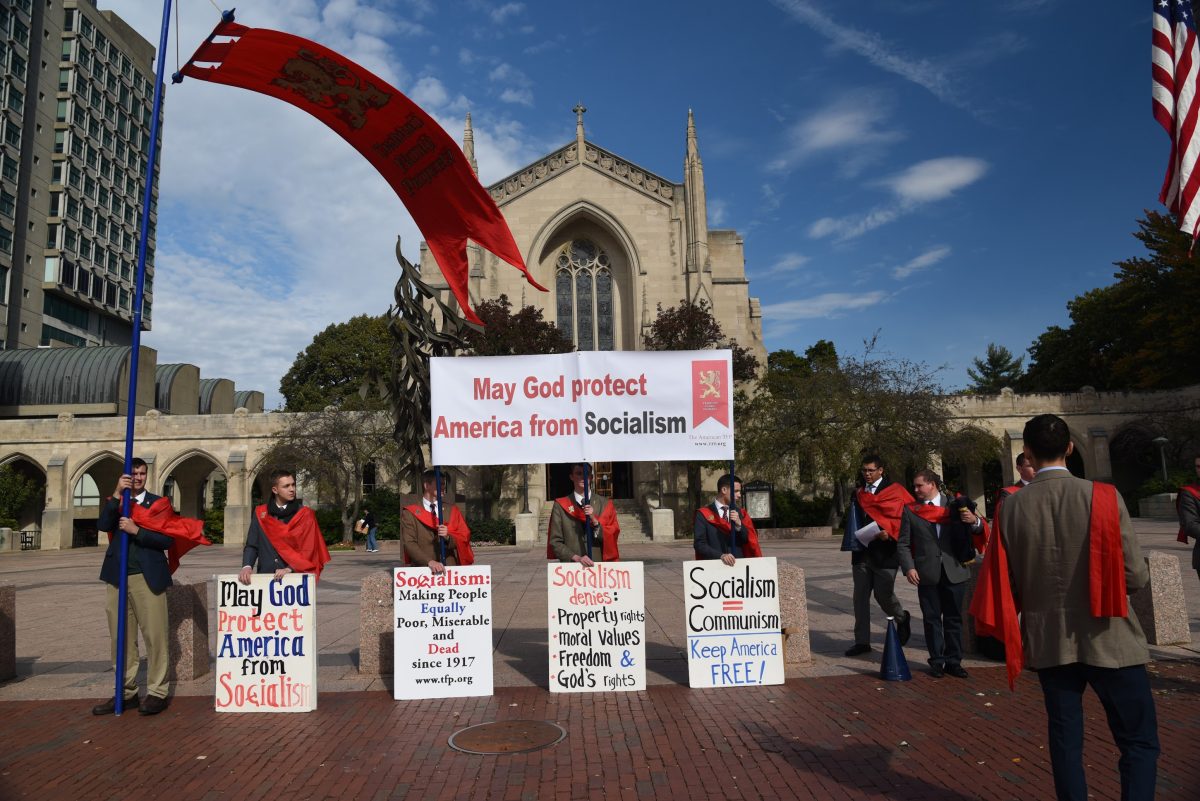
{"x": 722, "y": 530}
{"x": 284, "y": 536}
{"x": 432, "y": 542}
{"x": 567, "y": 540}
{"x": 157, "y": 539}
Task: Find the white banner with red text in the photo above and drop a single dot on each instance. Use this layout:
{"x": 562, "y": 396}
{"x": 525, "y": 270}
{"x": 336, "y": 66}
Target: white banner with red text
{"x": 587, "y": 406}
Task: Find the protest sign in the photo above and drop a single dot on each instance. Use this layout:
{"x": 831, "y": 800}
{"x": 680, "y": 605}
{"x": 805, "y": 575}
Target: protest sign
{"x": 266, "y": 644}
{"x": 593, "y": 405}
{"x": 443, "y": 638}
{"x": 734, "y": 637}
{"x": 597, "y": 626}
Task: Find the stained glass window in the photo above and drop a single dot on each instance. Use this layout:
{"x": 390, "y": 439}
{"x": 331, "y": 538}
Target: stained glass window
{"x": 584, "y": 295}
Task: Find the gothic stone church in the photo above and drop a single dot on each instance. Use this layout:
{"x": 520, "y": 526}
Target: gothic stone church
{"x": 612, "y": 240}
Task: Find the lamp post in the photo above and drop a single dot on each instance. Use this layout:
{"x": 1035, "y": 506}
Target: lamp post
{"x": 1161, "y": 442}
{"x": 525, "y": 489}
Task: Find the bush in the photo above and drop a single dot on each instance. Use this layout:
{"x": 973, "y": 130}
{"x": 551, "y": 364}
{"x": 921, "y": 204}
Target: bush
{"x": 501, "y": 531}
{"x": 1154, "y": 486}
{"x": 792, "y": 511}
{"x": 330, "y": 521}
{"x": 214, "y": 525}
{"x": 385, "y": 505}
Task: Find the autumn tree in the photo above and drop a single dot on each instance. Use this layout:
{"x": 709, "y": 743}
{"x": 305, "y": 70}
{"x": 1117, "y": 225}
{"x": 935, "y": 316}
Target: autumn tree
{"x": 997, "y": 370}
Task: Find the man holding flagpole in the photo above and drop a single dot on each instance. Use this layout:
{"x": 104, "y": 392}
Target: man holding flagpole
{"x": 157, "y": 539}
{"x": 722, "y": 530}
{"x": 572, "y": 515}
{"x": 432, "y": 540}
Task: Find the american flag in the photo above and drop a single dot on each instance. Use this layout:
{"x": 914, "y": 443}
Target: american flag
{"x": 1176, "y": 61}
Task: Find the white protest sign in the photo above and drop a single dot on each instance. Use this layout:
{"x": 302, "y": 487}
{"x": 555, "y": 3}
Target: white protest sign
{"x": 597, "y": 626}
{"x": 267, "y": 644}
{"x": 588, "y": 406}
{"x": 443, "y": 638}
{"x": 734, "y": 637}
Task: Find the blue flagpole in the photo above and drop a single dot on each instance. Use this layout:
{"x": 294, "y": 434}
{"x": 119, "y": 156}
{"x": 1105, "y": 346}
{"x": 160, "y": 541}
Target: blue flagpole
{"x": 135, "y": 348}
{"x": 437, "y": 472}
{"x": 732, "y": 502}
{"x": 587, "y": 499}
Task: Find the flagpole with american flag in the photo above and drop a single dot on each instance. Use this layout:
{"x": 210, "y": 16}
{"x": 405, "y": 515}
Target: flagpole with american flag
{"x": 1175, "y": 65}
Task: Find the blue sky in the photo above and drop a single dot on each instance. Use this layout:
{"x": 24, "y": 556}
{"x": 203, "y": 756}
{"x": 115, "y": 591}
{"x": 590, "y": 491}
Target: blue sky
{"x": 948, "y": 174}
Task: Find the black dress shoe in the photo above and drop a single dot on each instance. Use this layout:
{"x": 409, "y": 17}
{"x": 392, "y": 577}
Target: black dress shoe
{"x": 152, "y": 705}
{"x": 858, "y": 648}
{"x": 936, "y": 671}
{"x": 110, "y": 706}
{"x": 957, "y": 671}
{"x": 904, "y": 629}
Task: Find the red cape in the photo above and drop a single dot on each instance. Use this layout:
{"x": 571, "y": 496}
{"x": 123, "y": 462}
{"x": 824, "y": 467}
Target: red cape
{"x": 185, "y": 532}
{"x": 995, "y": 609}
{"x": 456, "y": 526}
{"x": 885, "y": 507}
{"x": 1194, "y": 491}
{"x": 298, "y": 541}
{"x": 608, "y": 521}
{"x": 752, "y": 548}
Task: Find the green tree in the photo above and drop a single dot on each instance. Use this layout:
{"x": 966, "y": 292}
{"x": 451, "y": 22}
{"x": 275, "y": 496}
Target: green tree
{"x": 16, "y": 491}
{"x": 507, "y": 334}
{"x": 343, "y": 366}
{"x": 999, "y": 369}
{"x": 1137, "y": 333}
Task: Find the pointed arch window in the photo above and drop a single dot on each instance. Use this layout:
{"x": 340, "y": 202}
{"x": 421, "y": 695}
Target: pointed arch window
{"x": 584, "y": 295}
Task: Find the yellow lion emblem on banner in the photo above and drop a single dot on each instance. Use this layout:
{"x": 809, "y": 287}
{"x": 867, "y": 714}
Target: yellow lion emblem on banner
{"x": 710, "y": 382}
{"x": 330, "y": 85}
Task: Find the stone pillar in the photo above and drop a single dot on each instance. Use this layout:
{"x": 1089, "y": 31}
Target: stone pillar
{"x": 187, "y": 619}
{"x": 237, "y": 499}
{"x": 527, "y": 528}
{"x": 376, "y": 626}
{"x": 1016, "y": 444}
{"x": 973, "y": 484}
{"x": 8, "y": 631}
{"x": 1101, "y": 462}
{"x": 793, "y": 611}
{"x": 1160, "y": 606}
{"x": 662, "y": 525}
{"x": 58, "y": 517}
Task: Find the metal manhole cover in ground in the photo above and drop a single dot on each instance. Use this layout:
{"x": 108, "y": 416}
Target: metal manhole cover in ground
{"x": 507, "y": 737}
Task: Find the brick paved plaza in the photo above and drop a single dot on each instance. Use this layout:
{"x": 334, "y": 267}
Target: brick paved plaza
{"x": 833, "y": 731}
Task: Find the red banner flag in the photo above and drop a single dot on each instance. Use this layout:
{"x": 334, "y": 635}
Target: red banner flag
{"x": 710, "y": 391}
{"x": 410, "y": 150}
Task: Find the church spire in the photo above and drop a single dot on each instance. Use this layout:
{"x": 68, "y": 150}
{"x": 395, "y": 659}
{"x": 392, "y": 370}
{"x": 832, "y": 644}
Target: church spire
{"x": 696, "y": 207}
{"x": 579, "y": 110}
{"x": 693, "y": 150}
{"x": 469, "y": 145}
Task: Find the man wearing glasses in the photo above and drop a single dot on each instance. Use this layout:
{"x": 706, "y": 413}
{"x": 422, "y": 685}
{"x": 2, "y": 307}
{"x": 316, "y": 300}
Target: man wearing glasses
{"x": 874, "y": 564}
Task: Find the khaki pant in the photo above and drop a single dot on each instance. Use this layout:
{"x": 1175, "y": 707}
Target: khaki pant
{"x": 145, "y": 612}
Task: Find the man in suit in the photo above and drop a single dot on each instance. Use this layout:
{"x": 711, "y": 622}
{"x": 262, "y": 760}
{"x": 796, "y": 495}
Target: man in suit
{"x": 722, "y": 530}
{"x": 934, "y": 545}
{"x": 874, "y": 565}
{"x": 1025, "y": 471}
{"x": 1187, "y": 503}
{"x": 429, "y": 542}
{"x": 146, "y": 586}
{"x": 567, "y": 537}
{"x": 283, "y": 536}
{"x": 1072, "y": 557}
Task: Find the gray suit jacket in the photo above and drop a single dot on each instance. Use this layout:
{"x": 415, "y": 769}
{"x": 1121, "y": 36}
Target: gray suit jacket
{"x": 920, "y": 546}
{"x": 568, "y": 537}
{"x": 1045, "y": 530}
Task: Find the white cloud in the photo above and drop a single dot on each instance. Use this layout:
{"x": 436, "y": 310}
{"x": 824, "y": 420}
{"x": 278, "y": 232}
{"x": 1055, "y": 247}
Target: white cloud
{"x": 782, "y": 318}
{"x": 517, "y": 89}
{"x": 934, "y": 77}
{"x": 520, "y": 96}
{"x": 787, "y": 263}
{"x": 936, "y": 179}
{"x": 925, "y": 182}
{"x": 921, "y": 262}
{"x": 771, "y": 199}
{"x": 501, "y": 13}
{"x": 718, "y": 211}
{"x": 849, "y": 124}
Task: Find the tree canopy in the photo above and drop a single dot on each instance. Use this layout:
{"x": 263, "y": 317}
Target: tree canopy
{"x": 342, "y": 366}
{"x": 999, "y": 369}
{"x": 508, "y": 334}
{"x": 1135, "y": 334}
{"x": 692, "y": 326}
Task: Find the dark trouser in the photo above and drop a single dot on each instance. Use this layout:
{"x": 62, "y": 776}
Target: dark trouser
{"x": 941, "y": 607}
{"x": 1125, "y": 694}
{"x": 877, "y": 581}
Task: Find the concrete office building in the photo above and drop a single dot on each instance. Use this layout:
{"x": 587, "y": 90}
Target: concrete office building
{"x": 75, "y": 116}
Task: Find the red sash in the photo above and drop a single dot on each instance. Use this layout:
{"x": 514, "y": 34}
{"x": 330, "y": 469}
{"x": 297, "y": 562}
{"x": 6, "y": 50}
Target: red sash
{"x": 298, "y": 541}
{"x": 885, "y": 507}
{"x": 456, "y": 527}
{"x": 1106, "y": 559}
{"x": 1194, "y": 491}
{"x": 993, "y": 605}
{"x": 185, "y": 532}
{"x": 752, "y": 548}
{"x": 608, "y": 522}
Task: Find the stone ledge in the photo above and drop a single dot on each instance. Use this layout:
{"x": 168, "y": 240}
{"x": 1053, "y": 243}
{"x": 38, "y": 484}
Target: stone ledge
{"x": 187, "y": 619}
{"x": 796, "y": 533}
{"x": 793, "y": 613}
{"x": 376, "y": 628}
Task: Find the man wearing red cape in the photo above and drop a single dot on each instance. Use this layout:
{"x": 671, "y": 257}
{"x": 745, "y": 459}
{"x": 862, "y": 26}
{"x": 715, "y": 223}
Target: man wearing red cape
{"x": 1063, "y": 557}
{"x": 158, "y": 538}
{"x": 566, "y": 539}
{"x": 284, "y": 536}
{"x": 880, "y": 501}
{"x": 723, "y": 530}
{"x": 1187, "y": 503}
{"x": 425, "y": 538}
